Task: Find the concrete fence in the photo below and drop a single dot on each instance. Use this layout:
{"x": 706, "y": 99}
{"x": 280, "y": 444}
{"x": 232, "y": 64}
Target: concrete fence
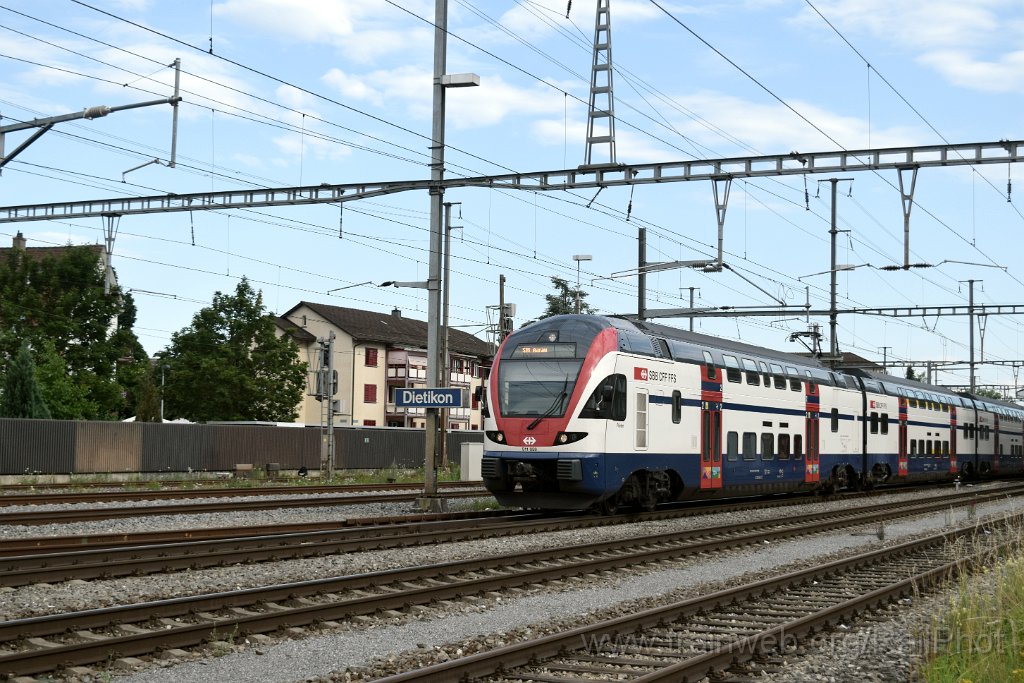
{"x": 29, "y": 447}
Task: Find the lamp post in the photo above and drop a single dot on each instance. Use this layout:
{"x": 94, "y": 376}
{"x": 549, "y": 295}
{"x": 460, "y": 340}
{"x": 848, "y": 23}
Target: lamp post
{"x": 577, "y": 258}
{"x": 441, "y": 81}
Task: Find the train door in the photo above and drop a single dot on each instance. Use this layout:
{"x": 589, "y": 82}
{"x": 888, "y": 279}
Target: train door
{"x": 710, "y": 427}
{"x": 952, "y": 440}
{"x": 812, "y": 466}
{"x": 902, "y": 466}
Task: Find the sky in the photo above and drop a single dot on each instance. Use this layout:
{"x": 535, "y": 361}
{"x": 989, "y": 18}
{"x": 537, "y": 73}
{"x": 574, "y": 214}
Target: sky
{"x": 283, "y": 93}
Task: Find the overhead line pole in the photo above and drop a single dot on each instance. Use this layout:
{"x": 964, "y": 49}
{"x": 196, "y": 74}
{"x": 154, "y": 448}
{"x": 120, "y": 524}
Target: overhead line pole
{"x": 430, "y": 500}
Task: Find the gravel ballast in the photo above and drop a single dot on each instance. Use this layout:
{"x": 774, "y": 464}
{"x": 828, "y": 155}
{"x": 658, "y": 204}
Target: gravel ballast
{"x": 457, "y": 628}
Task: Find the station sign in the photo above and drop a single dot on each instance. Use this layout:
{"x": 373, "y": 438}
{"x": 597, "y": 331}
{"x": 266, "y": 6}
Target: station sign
{"x": 428, "y": 398}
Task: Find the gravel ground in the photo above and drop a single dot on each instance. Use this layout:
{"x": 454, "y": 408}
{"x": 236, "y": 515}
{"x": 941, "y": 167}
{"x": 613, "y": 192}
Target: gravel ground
{"x": 377, "y": 645}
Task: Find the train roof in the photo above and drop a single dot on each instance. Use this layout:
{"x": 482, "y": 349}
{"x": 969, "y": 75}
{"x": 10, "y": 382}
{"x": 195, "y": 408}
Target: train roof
{"x": 638, "y": 337}
{"x": 703, "y": 341}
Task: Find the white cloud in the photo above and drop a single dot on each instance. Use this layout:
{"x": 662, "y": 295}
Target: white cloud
{"x": 775, "y": 129}
{"x": 1002, "y": 75}
{"x": 352, "y": 87}
{"x": 768, "y": 127}
{"x": 364, "y": 30}
{"x": 975, "y": 45}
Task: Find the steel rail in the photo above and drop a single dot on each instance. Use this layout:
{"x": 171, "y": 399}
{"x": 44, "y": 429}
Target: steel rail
{"x": 136, "y": 560}
{"x": 39, "y": 545}
{"x": 451, "y": 580}
{"x": 535, "y": 652}
{"x": 231, "y": 492}
{"x": 93, "y": 514}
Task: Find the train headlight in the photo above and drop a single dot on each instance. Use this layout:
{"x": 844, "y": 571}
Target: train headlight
{"x": 495, "y": 436}
{"x": 563, "y": 438}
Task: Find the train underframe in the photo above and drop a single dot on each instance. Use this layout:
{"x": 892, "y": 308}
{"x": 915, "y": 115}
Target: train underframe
{"x": 580, "y": 483}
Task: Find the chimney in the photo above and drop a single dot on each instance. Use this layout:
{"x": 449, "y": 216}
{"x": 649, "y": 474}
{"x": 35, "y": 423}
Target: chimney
{"x": 397, "y": 312}
{"x": 19, "y": 241}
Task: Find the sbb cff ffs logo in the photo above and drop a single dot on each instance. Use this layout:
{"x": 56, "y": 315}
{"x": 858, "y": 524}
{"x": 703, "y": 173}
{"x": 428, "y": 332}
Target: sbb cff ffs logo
{"x": 647, "y": 375}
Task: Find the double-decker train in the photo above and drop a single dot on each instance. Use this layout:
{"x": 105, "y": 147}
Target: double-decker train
{"x": 587, "y": 411}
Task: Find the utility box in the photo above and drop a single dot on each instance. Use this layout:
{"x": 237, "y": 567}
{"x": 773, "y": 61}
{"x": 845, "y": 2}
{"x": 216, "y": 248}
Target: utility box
{"x": 470, "y": 462}
{"x": 243, "y": 470}
{"x": 273, "y": 470}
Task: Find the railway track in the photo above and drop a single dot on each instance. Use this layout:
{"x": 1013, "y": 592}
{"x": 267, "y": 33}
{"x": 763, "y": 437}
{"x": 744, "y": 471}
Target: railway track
{"x": 139, "y": 559}
{"x": 67, "y": 516}
{"x": 41, "y": 644}
{"x": 134, "y": 559}
{"x": 30, "y": 497}
{"x": 709, "y": 635}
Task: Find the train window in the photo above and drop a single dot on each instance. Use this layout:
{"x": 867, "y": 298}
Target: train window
{"x": 766, "y": 372}
{"x": 640, "y": 432}
{"x": 780, "y": 382}
{"x": 709, "y": 362}
{"x": 798, "y": 446}
{"x": 677, "y": 407}
{"x": 945, "y": 447}
{"x": 835, "y": 419}
{"x": 753, "y": 378}
{"x": 920, "y": 447}
{"x": 811, "y": 384}
{"x": 608, "y": 402}
{"x": 913, "y": 448}
{"x": 794, "y": 379}
{"x": 732, "y": 368}
{"x": 928, "y": 447}
{"x": 874, "y": 423}
{"x": 783, "y": 446}
{"x": 749, "y": 445}
{"x": 661, "y": 348}
{"x": 885, "y": 423}
{"x": 767, "y": 446}
{"x": 732, "y": 446}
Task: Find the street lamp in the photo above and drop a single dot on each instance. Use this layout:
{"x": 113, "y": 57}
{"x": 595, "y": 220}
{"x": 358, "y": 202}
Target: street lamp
{"x": 577, "y": 258}
{"x": 442, "y": 81}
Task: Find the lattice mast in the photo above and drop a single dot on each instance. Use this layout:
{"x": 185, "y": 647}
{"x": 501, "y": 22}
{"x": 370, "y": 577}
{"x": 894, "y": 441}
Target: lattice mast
{"x": 601, "y": 118}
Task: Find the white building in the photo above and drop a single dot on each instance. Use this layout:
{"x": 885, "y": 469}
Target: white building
{"x": 376, "y": 353}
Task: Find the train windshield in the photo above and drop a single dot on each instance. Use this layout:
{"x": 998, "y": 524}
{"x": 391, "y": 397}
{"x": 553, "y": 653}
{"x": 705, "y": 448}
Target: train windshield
{"x": 531, "y": 388}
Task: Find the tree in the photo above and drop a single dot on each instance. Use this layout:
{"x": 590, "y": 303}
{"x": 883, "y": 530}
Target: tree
{"x": 564, "y": 299}
{"x": 230, "y": 365}
{"x": 147, "y": 396}
{"x": 21, "y": 396}
{"x": 67, "y": 399}
{"x": 913, "y": 375}
{"x": 54, "y": 299}
{"x": 989, "y": 393}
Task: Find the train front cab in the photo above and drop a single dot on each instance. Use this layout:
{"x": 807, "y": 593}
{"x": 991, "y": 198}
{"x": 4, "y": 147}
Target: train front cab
{"x": 554, "y": 395}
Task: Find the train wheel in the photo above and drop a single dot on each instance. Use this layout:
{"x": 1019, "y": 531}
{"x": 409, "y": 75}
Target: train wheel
{"x": 608, "y": 506}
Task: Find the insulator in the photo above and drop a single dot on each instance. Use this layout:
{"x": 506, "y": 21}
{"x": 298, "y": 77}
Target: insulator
{"x": 96, "y": 112}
